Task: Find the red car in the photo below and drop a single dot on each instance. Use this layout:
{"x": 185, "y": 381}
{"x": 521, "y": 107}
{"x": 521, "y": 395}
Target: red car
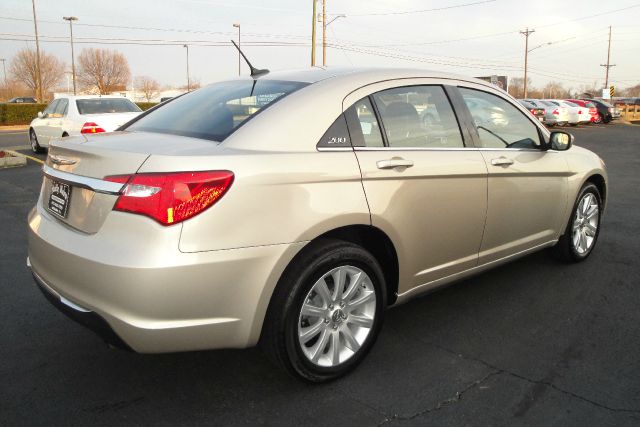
{"x": 593, "y": 111}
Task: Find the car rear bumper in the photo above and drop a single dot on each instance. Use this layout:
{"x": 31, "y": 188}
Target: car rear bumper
{"x": 165, "y": 300}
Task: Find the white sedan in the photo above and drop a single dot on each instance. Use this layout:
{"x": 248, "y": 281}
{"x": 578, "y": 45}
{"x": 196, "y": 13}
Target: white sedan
{"x": 75, "y": 115}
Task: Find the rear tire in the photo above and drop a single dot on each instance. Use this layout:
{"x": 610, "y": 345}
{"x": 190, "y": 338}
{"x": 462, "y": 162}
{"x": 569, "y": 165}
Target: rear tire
{"x": 318, "y": 331}
{"x": 583, "y": 229}
{"x": 33, "y": 139}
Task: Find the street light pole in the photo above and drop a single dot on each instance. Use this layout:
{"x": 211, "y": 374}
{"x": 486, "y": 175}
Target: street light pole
{"x": 237, "y": 25}
{"x": 38, "y": 70}
{"x": 188, "y": 80}
{"x": 324, "y": 33}
{"x": 526, "y": 34}
{"x": 73, "y": 60}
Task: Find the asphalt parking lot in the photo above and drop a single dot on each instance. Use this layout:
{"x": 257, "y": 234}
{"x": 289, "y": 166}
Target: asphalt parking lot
{"x": 532, "y": 342}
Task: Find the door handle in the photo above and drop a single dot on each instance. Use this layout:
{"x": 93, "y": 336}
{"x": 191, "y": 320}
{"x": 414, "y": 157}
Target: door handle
{"x": 395, "y": 162}
{"x": 501, "y": 161}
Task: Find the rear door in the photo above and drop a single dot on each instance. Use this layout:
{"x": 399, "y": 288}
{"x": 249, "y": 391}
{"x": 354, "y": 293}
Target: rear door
{"x": 56, "y": 119}
{"x": 527, "y": 184}
{"x": 425, "y": 189}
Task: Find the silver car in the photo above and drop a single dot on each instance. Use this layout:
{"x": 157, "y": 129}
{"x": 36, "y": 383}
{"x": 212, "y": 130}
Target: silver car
{"x": 292, "y": 209}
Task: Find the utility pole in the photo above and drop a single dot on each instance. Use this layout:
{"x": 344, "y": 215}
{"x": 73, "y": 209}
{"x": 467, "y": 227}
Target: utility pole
{"x": 237, "y": 25}
{"x": 526, "y": 34}
{"x": 188, "y": 79}
{"x": 608, "y": 64}
{"x": 38, "y": 75}
{"x": 4, "y": 70}
{"x": 73, "y": 61}
{"x": 324, "y": 33}
{"x": 313, "y": 35}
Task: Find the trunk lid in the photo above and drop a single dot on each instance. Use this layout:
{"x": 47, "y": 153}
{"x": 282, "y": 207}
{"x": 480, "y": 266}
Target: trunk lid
{"x": 74, "y": 190}
{"x": 110, "y": 121}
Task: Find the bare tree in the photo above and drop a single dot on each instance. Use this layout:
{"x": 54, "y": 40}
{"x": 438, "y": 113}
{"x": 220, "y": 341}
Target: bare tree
{"x": 148, "y": 86}
{"x": 555, "y": 90}
{"x": 103, "y": 69}
{"x": 193, "y": 85}
{"x": 633, "y": 91}
{"x": 24, "y": 69}
{"x": 516, "y": 87}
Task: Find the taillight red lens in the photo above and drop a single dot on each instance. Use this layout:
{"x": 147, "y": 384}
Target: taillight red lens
{"x": 555, "y": 112}
{"x": 91, "y": 127}
{"x": 170, "y": 198}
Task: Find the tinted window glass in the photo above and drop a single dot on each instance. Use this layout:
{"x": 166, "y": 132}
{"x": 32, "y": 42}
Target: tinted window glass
{"x": 106, "y": 105}
{"x": 51, "y": 108}
{"x": 337, "y": 135}
{"x": 215, "y": 111}
{"x": 418, "y": 116}
{"x": 363, "y": 125}
{"x": 499, "y": 123}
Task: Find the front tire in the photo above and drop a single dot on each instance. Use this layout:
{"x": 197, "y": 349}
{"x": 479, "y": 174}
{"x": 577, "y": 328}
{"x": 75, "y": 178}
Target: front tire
{"x": 598, "y": 119}
{"x": 33, "y": 139}
{"x": 582, "y": 231}
{"x": 326, "y": 311}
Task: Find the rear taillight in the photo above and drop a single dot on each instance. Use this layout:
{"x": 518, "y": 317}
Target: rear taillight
{"x": 170, "y": 198}
{"x": 91, "y": 127}
{"x": 555, "y": 112}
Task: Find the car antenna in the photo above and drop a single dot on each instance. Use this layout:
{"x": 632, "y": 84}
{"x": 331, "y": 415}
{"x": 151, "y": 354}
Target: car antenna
{"x": 255, "y": 73}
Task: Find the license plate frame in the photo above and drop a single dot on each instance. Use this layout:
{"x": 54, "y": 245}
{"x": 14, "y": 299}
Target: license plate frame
{"x": 59, "y": 199}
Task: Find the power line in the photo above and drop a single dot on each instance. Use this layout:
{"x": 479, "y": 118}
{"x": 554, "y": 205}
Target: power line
{"x": 410, "y": 12}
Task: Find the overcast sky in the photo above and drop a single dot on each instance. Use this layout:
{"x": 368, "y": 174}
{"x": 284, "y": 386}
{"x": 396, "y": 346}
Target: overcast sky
{"x": 476, "y": 39}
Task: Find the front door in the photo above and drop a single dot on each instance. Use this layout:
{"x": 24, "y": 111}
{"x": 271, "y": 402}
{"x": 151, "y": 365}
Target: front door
{"x": 425, "y": 189}
{"x": 527, "y": 184}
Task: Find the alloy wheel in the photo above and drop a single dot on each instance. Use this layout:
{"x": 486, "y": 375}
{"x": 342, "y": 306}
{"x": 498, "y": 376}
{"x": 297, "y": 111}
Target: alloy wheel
{"x": 337, "y": 316}
{"x": 585, "y": 223}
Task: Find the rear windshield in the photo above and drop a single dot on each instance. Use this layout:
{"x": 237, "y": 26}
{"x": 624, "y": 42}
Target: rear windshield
{"x": 216, "y": 111}
{"x": 106, "y": 105}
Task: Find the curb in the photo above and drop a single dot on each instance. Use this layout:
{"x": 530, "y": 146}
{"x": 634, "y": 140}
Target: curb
{"x": 16, "y": 127}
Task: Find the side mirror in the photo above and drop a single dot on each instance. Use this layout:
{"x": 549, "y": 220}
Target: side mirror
{"x": 40, "y": 115}
{"x": 560, "y": 141}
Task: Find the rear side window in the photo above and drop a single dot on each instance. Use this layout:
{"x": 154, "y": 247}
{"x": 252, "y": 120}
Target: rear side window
{"x": 106, "y": 105}
{"x": 363, "y": 124}
{"x": 418, "y": 116}
{"x": 216, "y": 111}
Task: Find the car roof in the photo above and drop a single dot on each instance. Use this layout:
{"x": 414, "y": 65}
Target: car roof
{"x": 359, "y": 76}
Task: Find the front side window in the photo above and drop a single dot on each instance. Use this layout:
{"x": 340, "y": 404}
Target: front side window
{"x": 61, "y": 108}
{"x": 216, "y": 111}
{"x": 418, "y": 116}
{"x": 51, "y": 108}
{"x": 499, "y": 123}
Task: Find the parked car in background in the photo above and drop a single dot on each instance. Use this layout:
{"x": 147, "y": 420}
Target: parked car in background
{"x": 576, "y": 113}
{"x": 290, "y": 210}
{"x": 537, "y": 111}
{"x": 589, "y": 106}
{"x": 606, "y": 111}
{"x": 76, "y": 115}
{"x": 555, "y": 115}
{"x": 22, "y": 100}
